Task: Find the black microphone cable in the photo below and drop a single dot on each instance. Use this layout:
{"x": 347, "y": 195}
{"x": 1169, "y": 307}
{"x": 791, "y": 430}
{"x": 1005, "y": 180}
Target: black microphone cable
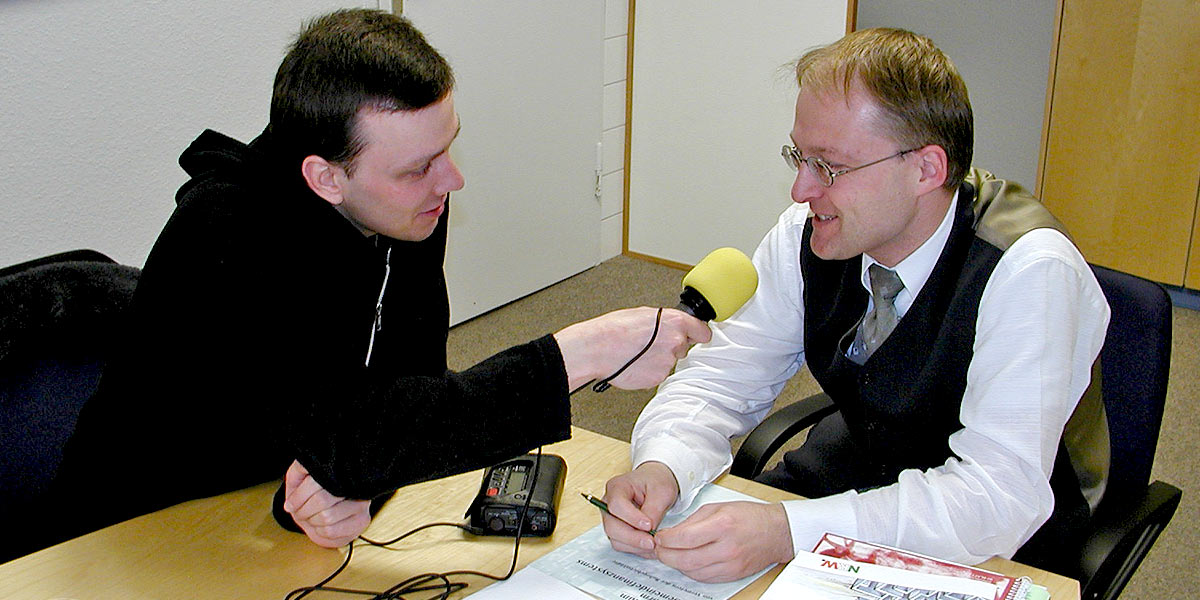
{"x": 425, "y": 582}
{"x": 604, "y": 384}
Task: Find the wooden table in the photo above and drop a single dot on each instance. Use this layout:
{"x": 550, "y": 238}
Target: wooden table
{"x": 228, "y": 546}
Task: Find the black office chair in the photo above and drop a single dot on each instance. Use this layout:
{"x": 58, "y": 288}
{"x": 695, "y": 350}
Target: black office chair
{"x": 58, "y": 316}
{"x": 1134, "y": 363}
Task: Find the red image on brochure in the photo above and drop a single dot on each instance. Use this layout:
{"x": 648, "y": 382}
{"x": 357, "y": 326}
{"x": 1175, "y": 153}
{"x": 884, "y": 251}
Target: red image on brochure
{"x": 838, "y": 546}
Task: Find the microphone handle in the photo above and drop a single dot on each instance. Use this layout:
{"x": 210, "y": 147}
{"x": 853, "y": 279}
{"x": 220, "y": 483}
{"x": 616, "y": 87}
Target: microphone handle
{"x": 694, "y": 303}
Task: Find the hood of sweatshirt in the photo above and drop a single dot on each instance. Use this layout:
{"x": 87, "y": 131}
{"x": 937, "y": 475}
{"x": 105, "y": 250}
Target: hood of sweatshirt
{"x": 215, "y": 156}
{"x": 259, "y": 174}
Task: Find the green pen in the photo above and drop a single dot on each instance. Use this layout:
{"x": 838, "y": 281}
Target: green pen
{"x": 600, "y": 504}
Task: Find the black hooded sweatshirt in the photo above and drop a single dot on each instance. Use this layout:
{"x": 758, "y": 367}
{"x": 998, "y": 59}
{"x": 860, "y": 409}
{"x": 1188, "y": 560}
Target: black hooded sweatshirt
{"x": 246, "y": 349}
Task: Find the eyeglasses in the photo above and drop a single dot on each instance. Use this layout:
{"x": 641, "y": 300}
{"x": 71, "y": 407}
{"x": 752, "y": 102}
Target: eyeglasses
{"x": 821, "y": 169}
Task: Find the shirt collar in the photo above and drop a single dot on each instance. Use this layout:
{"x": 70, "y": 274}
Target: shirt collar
{"x": 915, "y": 269}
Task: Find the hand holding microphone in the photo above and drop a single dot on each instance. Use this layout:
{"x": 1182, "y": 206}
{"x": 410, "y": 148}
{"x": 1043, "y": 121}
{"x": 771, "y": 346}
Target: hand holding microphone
{"x": 638, "y": 347}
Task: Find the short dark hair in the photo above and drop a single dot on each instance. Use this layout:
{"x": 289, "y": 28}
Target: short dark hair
{"x": 924, "y": 99}
{"x": 346, "y": 62}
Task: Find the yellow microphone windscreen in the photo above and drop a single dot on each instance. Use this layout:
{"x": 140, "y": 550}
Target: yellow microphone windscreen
{"x": 726, "y": 278}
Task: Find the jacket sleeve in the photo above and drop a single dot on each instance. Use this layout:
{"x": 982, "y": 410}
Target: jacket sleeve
{"x": 381, "y": 435}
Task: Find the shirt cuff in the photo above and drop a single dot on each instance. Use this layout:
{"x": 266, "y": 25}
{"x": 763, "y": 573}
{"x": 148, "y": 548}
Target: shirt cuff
{"x": 809, "y": 520}
{"x": 687, "y": 468}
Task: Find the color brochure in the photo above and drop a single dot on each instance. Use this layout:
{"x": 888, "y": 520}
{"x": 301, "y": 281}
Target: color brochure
{"x": 589, "y": 564}
{"x": 847, "y": 569}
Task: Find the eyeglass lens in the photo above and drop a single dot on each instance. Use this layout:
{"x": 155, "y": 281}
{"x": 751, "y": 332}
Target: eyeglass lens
{"x": 815, "y": 166}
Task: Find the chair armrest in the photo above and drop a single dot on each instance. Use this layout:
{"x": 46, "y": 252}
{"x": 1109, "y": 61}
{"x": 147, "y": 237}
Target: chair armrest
{"x": 777, "y": 429}
{"x": 1122, "y": 534}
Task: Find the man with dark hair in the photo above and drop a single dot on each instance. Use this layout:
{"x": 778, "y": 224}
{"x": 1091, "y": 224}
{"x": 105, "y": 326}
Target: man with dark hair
{"x": 344, "y": 63}
{"x": 292, "y": 316}
{"x": 944, "y": 311}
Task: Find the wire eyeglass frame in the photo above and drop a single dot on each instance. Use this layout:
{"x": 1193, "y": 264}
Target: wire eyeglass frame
{"x": 821, "y": 169}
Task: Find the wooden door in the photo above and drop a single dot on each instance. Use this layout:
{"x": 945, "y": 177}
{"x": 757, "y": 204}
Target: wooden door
{"x": 1122, "y": 154}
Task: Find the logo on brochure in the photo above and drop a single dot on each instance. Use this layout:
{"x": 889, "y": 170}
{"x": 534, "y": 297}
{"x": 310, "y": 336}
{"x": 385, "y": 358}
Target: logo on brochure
{"x": 839, "y": 566}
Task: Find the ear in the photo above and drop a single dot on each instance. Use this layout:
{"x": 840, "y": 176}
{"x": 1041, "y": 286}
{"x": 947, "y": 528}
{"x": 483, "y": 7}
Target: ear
{"x": 931, "y": 160}
{"x": 324, "y": 178}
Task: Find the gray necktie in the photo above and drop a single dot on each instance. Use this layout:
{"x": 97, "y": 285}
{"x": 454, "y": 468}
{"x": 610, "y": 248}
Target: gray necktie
{"x": 879, "y": 322}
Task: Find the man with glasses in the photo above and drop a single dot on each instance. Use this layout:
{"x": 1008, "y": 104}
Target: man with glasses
{"x": 944, "y": 311}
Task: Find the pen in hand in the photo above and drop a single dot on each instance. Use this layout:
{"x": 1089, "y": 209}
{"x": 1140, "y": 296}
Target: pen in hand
{"x": 598, "y": 503}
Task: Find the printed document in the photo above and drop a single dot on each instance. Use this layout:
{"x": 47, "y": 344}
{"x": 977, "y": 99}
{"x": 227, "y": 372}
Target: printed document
{"x": 589, "y": 563}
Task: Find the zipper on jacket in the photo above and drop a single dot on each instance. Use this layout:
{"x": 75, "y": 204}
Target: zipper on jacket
{"x": 378, "y": 324}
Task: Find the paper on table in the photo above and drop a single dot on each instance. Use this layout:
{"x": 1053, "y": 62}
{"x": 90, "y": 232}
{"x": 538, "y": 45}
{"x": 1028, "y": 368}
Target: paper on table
{"x": 589, "y": 563}
{"x": 530, "y": 583}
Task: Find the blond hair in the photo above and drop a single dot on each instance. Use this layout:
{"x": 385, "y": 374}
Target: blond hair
{"x": 923, "y": 97}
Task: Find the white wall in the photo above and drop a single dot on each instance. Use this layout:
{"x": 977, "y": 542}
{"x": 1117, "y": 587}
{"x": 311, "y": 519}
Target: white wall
{"x": 1002, "y": 50}
{"x": 711, "y": 108}
{"x": 99, "y": 98}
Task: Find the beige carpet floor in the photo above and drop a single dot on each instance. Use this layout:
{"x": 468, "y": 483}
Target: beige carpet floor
{"x": 1170, "y": 570}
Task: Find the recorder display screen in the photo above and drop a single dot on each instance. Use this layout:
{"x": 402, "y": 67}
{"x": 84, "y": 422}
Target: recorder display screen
{"x": 516, "y": 480}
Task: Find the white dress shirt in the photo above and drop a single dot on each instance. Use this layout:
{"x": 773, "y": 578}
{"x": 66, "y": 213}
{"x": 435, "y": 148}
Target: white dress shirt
{"x": 1041, "y": 322}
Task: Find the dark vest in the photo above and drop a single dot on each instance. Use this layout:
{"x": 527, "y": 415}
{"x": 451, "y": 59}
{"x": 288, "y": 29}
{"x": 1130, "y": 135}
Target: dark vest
{"x": 897, "y": 410}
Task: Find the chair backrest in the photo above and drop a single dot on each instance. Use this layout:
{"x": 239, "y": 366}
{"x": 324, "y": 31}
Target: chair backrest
{"x": 58, "y": 315}
{"x": 1134, "y": 364}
